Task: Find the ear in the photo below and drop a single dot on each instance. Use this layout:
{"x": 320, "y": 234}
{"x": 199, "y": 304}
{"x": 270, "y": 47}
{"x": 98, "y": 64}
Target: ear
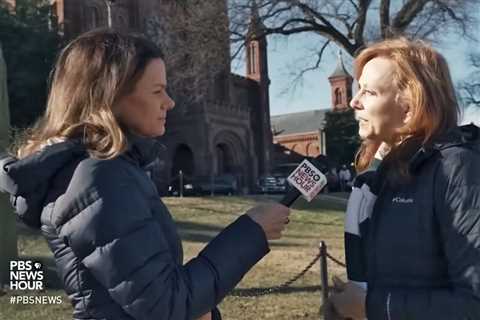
{"x": 407, "y": 111}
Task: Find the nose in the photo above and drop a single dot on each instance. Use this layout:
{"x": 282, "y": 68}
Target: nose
{"x": 355, "y": 102}
{"x": 168, "y": 103}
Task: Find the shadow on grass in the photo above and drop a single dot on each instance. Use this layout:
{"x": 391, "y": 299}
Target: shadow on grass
{"x": 188, "y": 226}
{"x": 248, "y": 199}
{"x": 23, "y": 230}
{"x": 320, "y": 204}
{"x": 323, "y": 202}
{"x": 204, "y": 233}
{"x": 256, "y": 292}
{"x": 333, "y": 223}
{"x": 208, "y": 211}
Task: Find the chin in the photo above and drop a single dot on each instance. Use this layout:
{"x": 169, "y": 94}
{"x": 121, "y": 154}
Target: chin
{"x": 159, "y": 133}
{"x": 363, "y": 135}
{"x": 369, "y": 137}
{"x": 152, "y": 134}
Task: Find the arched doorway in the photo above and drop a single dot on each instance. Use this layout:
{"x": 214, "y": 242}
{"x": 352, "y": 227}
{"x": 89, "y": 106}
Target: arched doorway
{"x": 183, "y": 160}
{"x": 230, "y": 165}
{"x": 225, "y": 162}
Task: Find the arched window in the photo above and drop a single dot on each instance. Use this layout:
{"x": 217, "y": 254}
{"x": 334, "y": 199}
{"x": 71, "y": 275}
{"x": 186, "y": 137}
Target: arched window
{"x": 253, "y": 58}
{"x": 309, "y": 150}
{"x": 338, "y": 96}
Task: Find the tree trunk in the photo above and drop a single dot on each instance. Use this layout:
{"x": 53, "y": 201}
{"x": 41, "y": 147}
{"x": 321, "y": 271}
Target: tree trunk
{"x": 8, "y": 234}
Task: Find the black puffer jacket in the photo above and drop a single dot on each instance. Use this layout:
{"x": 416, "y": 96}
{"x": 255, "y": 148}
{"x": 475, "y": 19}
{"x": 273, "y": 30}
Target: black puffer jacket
{"x": 114, "y": 241}
{"x": 423, "y": 247}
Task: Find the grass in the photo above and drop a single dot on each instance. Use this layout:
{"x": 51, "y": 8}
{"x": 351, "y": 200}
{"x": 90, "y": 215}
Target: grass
{"x": 199, "y": 220}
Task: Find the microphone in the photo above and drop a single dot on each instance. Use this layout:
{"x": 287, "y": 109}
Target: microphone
{"x": 307, "y": 180}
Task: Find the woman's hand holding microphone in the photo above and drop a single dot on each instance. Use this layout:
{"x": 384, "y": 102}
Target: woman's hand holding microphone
{"x": 272, "y": 218}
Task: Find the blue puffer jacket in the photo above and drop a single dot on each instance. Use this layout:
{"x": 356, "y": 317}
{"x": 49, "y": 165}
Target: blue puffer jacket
{"x": 115, "y": 243}
{"x": 419, "y": 246}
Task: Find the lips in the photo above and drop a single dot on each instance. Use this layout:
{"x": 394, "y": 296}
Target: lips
{"x": 357, "y": 117}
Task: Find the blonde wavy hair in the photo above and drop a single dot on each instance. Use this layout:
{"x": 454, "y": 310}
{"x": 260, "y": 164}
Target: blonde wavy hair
{"x": 423, "y": 79}
{"x": 91, "y": 73}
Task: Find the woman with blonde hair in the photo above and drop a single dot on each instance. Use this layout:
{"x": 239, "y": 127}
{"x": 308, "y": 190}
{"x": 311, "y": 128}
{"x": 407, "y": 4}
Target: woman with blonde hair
{"x": 412, "y": 228}
{"x": 79, "y": 176}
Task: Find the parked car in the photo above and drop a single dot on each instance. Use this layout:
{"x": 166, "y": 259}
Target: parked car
{"x": 223, "y": 184}
{"x": 190, "y": 188}
{"x": 271, "y": 184}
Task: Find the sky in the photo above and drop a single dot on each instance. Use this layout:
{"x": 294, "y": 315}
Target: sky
{"x": 313, "y": 91}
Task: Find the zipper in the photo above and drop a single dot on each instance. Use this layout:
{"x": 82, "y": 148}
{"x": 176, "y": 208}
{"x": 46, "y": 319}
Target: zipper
{"x": 389, "y": 299}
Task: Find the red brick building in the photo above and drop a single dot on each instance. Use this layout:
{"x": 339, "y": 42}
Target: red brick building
{"x": 303, "y": 133}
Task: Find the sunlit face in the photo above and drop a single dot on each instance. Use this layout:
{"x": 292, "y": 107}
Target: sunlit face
{"x": 144, "y": 110}
{"x": 376, "y": 104}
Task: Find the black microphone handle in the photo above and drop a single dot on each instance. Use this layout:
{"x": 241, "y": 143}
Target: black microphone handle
{"x": 290, "y": 197}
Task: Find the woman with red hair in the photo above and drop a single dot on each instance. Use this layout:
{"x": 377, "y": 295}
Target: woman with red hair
{"x": 412, "y": 231}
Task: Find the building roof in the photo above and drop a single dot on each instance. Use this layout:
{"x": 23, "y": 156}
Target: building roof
{"x": 340, "y": 70}
{"x": 298, "y": 122}
{"x": 256, "y": 26}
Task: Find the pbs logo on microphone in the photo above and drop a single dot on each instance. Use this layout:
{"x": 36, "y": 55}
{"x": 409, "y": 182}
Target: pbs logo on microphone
{"x": 307, "y": 179}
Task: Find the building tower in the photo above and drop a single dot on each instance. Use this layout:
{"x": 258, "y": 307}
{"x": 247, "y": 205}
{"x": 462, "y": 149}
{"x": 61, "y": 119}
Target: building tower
{"x": 341, "y": 86}
{"x": 257, "y": 70}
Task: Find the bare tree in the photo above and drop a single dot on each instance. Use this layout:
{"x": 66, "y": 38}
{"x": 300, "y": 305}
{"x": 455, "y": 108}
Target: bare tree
{"x": 195, "y": 38}
{"x": 351, "y": 24}
{"x": 470, "y": 89}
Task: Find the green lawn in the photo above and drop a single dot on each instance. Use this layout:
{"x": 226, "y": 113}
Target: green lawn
{"x": 200, "y": 219}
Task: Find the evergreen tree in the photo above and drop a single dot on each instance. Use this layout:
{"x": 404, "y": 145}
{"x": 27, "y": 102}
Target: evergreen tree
{"x": 30, "y": 41}
{"x": 341, "y": 131}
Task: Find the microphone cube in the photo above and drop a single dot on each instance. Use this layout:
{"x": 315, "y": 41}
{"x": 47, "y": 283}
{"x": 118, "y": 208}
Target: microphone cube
{"x": 307, "y": 179}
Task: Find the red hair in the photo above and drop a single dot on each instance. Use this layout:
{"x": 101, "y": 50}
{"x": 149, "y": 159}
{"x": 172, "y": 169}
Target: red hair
{"x": 423, "y": 79}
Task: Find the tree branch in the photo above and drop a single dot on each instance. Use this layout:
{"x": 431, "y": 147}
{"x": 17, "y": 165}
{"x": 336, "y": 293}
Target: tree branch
{"x": 407, "y": 14}
{"x": 297, "y": 79}
{"x": 360, "y": 24}
{"x": 354, "y": 5}
{"x": 330, "y": 32}
{"x": 385, "y": 18}
{"x": 472, "y": 91}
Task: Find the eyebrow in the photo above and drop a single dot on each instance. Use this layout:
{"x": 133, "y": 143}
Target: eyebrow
{"x": 161, "y": 85}
{"x": 363, "y": 85}
{"x": 370, "y": 87}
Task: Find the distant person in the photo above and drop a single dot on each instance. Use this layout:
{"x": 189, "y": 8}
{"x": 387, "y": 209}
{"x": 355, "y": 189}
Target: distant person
{"x": 332, "y": 179}
{"x": 412, "y": 230}
{"x": 79, "y": 176}
{"x": 344, "y": 176}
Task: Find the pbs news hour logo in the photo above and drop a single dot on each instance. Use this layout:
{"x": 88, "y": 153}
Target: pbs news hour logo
{"x": 27, "y": 275}
{"x": 307, "y": 179}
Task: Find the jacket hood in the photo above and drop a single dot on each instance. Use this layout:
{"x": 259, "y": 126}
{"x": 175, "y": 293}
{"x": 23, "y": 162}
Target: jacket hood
{"x": 28, "y": 180}
{"x": 467, "y": 136}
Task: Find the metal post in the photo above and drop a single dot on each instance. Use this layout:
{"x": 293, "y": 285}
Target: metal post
{"x": 323, "y": 271}
{"x": 180, "y": 187}
{"x": 109, "y": 4}
{"x": 8, "y": 233}
{"x": 211, "y": 185}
